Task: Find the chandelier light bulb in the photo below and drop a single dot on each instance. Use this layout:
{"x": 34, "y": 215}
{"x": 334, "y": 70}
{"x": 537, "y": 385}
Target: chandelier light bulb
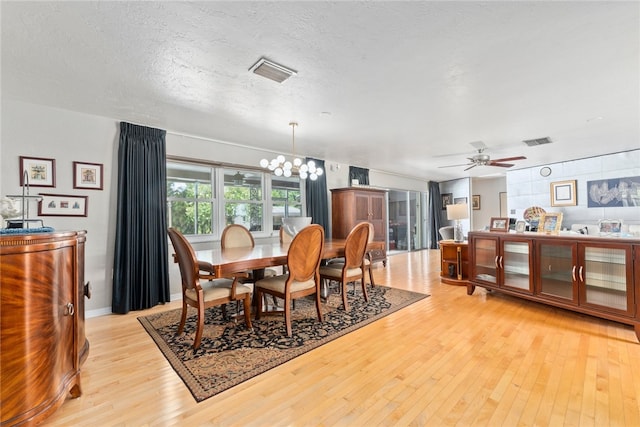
{"x": 281, "y": 166}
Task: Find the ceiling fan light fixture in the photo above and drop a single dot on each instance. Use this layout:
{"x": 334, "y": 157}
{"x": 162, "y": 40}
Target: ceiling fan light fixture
{"x": 272, "y": 71}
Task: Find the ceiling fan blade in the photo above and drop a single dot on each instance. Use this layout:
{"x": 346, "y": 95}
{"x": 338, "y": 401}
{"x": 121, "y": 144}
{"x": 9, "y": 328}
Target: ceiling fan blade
{"x": 472, "y": 166}
{"x": 455, "y": 166}
{"x": 501, "y": 165}
{"x": 508, "y": 159}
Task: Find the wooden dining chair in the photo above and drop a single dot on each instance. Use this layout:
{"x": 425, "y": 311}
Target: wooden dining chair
{"x": 368, "y": 262}
{"x": 202, "y": 291}
{"x": 303, "y": 279}
{"x": 239, "y": 236}
{"x": 353, "y": 267}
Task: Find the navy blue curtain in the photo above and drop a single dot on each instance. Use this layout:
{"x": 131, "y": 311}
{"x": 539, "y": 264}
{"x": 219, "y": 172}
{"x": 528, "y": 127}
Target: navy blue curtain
{"x": 361, "y": 174}
{"x": 317, "y": 199}
{"x": 435, "y": 213}
{"x": 140, "y": 269}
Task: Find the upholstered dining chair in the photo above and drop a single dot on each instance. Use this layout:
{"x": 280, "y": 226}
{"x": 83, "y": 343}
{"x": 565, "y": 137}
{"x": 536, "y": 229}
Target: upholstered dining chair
{"x": 239, "y": 236}
{"x": 353, "y": 268}
{"x": 303, "y": 278}
{"x": 203, "y": 291}
{"x": 367, "y": 258}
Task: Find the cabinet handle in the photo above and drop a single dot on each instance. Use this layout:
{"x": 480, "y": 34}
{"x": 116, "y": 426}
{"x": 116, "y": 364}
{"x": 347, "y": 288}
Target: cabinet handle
{"x": 501, "y": 264}
{"x": 580, "y": 274}
{"x": 70, "y": 310}
{"x": 573, "y": 273}
{"x": 495, "y": 261}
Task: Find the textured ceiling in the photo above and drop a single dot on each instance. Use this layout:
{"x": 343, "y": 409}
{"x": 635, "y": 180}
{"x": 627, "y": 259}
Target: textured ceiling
{"x": 391, "y": 86}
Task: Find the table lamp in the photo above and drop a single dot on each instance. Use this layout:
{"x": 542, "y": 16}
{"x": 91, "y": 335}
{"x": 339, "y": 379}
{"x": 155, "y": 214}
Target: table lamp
{"x": 458, "y": 212}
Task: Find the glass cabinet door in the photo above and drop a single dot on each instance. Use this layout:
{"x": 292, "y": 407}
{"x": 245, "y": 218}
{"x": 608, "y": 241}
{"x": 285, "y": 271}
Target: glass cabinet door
{"x": 486, "y": 252}
{"x": 515, "y": 265}
{"x": 557, "y": 271}
{"x": 604, "y": 275}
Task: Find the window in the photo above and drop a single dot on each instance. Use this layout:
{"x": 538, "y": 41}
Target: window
{"x": 190, "y": 198}
{"x": 203, "y": 199}
{"x": 286, "y": 199}
{"x": 243, "y": 201}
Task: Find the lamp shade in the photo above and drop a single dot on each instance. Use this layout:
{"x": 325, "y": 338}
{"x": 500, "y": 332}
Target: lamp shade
{"x": 460, "y": 211}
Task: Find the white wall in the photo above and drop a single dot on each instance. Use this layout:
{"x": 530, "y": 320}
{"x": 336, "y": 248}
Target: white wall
{"x": 489, "y": 190}
{"x": 39, "y": 131}
{"x": 527, "y": 188}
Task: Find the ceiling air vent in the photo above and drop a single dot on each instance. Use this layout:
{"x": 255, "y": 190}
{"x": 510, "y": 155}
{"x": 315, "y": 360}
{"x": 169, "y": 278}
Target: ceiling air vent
{"x": 537, "y": 141}
{"x": 272, "y": 71}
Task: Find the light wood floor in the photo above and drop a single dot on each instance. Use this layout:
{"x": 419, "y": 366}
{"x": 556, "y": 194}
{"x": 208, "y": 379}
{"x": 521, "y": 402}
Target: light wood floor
{"x": 450, "y": 359}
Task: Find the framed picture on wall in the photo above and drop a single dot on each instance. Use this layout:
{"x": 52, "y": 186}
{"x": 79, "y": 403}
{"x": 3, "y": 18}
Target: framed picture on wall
{"x": 475, "y": 202}
{"x": 460, "y": 201}
{"x": 447, "y": 199}
{"x": 62, "y": 205}
{"x": 563, "y": 193}
{"x": 87, "y": 175}
{"x": 38, "y": 171}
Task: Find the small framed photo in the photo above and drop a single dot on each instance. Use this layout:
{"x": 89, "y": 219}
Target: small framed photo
{"x": 563, "y": 193}
{"x": 499, "y": 224}
{"x": 87, "y": 175}
{"x": 550, "y": 223}
{"x": 610, "y": 226}
{"x": 520, "y": 226}
{"x": 475, "y": 202}
{"x": 62, "y": 205}
{"x": 447, "y": 199}
{"x": 460, "y": 201}
{"x": 38, "y": 171}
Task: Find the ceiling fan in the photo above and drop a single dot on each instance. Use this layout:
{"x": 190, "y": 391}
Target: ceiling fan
{"x": 482, "y": 159}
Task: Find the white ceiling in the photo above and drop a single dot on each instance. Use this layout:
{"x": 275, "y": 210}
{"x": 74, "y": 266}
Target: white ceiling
{"x": 392, "y": 86}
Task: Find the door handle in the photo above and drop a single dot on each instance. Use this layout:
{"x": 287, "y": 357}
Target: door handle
{"x": 573, "y": 273}
{"x": 580, "y": 274}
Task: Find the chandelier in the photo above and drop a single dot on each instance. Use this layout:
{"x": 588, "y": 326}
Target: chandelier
{"x": 280, "y": 166}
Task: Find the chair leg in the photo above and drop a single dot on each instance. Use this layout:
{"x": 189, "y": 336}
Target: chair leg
{"x": 199, "y": 328}
{"x": 247, "y": 310}
{"x": 364, "y": 287}
{"x": 318, "y": 306}
{"x": 371, "y": 276}
{"x": 183, "y": 318}
{"x": 344, "y": 295}
{"x": 258, "y": 303}
{"x": 287, "y": 314}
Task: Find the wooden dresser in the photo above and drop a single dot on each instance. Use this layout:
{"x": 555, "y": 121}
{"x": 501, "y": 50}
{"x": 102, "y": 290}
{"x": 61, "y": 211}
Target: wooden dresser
{"x": 42, "y": 340}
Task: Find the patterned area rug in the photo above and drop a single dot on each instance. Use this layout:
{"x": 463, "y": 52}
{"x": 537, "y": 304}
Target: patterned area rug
{"x": 230, "y": 354}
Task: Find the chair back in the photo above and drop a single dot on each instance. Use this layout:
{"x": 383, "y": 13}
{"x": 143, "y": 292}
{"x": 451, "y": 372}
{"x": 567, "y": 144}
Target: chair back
{"x": 236, "y": 236}
{"x": 305, "y": 254}
{"x": 355, "y": 246}
{"x": 446, "y": 232}
{"x": 285, "y": 237}
{"x": 186, "y": 257}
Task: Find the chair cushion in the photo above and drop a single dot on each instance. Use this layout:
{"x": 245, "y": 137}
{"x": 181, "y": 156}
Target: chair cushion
{"x": 219, "y": 288}
{"x": 335, "y": 270}
{"x": 277, "y": 283}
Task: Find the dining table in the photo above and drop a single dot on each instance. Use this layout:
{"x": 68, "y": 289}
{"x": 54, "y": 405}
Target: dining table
{"x": 224, "y": 262}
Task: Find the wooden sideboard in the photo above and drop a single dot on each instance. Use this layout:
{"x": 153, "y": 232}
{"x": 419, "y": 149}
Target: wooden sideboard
{"x": 42, "y": 342}
{"x": 599, "y": 276}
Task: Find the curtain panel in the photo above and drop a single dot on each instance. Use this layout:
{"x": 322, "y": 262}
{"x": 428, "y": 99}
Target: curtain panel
{"x": 435, "y": 213}
{"x": 140, "y": 268}
{"x": 317, "y": 199}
